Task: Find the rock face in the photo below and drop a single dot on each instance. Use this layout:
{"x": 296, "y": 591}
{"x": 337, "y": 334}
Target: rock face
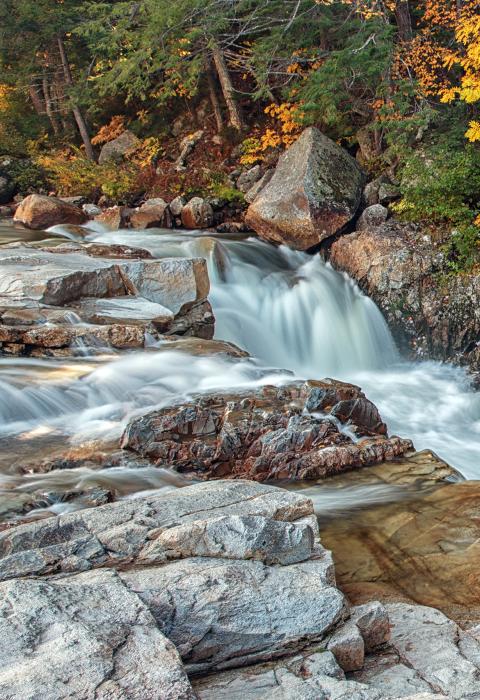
{"x": 84, "y": 637}
{"x": 56, "y": 299}
{"x": 197, "y": 213}
{"x": 118, "y": 148}
{"x": 315, "y": 191}
{"x": 39, "y": 212}
{"x": 429, "y": 312}
{"x": 226, "y": 578}
{"x": 271, "y": 433}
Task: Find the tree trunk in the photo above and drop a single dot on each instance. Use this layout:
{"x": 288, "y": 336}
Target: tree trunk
{"x": 217, "y": 110}
{"x": 77, "y": 113}
{"x": 227, "y": 88}
{"x": 36, "y": 98}
{"x": 404, "y": 20}
{"x": 48, "y": 107}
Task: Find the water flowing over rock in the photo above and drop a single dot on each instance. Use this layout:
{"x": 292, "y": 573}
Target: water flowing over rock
{"x": 429, "y": 312}
{"x": 110, "y": 296}
{"x": 289, "y": 432}
{"x": 315, "y": 191}
{"x": 39, "y": 212}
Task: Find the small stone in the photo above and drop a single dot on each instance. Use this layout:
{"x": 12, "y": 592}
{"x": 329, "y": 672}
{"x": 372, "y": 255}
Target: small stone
{"x": 348, "y": 647}
{"x": 373, "y": 623}
{"x": 373, "y": 216}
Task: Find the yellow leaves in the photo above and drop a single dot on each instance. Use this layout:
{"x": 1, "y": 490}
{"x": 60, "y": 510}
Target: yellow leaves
{"x": 473, "y": 134}
{"x": 477, "y": 221}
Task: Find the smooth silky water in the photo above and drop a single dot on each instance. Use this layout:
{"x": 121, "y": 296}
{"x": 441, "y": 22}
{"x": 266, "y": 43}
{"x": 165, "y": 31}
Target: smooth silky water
{"x": 293, "y": 313}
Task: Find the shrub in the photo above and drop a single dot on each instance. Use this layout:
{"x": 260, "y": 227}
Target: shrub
{"x": 441, "y": 185}
{"x": 73, "y": 174}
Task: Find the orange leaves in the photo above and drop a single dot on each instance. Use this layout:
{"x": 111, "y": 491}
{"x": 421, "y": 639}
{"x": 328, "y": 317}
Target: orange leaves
{"x": 110, "y": 131}
{"x": 285, "y": 129}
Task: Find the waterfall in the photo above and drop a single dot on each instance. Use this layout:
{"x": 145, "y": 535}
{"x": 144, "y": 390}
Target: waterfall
{"x": 292, "y": 312}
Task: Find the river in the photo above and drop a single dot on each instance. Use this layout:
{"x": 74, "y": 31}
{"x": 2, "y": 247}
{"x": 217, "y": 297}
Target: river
{"x": 292, "y": 312}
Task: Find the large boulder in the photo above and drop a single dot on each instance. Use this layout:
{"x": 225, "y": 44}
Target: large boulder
{"x": 270, "y": 433}
{"x": 314, "y": 193}
{"x": 197, "y": 213}
{"x": 155, "y": 213}
{"x": 117, "y": 149}
{"x": 40, "y": 212}
{"x": 84, "y": 637}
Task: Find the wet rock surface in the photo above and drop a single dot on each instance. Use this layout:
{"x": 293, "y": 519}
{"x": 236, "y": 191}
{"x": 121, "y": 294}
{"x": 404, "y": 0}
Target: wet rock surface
{"x": 430, "y": 312}
{"x": 315, "y": 191}
{"x": 292, "y": 431}
{"x": 65, "y": 297}
{"x": 423, "y": 550}
{"x": 226, "y": 578}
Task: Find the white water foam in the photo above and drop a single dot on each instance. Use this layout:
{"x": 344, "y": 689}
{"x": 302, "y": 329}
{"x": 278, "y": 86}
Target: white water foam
{"x": 290, "y": 311}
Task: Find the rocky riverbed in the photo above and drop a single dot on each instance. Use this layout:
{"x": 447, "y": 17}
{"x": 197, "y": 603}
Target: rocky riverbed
{"x": 190, "y": 505}
{"x": 188, "y": 594}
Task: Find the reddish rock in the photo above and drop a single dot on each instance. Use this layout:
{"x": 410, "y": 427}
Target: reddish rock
{"x": 153, "y": 214}
{"x": 197, "y": 213}
{"x": 40, "y": 212}
{"x": 269, "y": 433}
{"x": 114, "y": 218}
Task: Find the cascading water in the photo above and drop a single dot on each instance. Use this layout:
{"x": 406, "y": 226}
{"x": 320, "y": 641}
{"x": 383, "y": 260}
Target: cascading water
{"x": 292, "y": 312}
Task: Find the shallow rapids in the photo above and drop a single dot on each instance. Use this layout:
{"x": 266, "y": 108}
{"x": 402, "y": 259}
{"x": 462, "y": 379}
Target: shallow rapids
{"x": 293, "y": 313}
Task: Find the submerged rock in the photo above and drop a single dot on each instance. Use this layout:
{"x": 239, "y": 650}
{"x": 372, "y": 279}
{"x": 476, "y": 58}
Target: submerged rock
{"x": 315, "y": 191}
{"x": 287, "y": 432}
{"x": 40, "y": 212}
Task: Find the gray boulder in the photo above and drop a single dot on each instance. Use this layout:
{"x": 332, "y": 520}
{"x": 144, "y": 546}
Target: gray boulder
{"x": 373, "y": 216}
{"x": 255, "y": 190}
{"x": 117, "y": 149}
{"x": 248, "y": 178}
{"x": 176, "y": 205}
{"x": 315, "y": 191}
{"x": 197, "y": 213}
{"x": 84, "y": 638}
